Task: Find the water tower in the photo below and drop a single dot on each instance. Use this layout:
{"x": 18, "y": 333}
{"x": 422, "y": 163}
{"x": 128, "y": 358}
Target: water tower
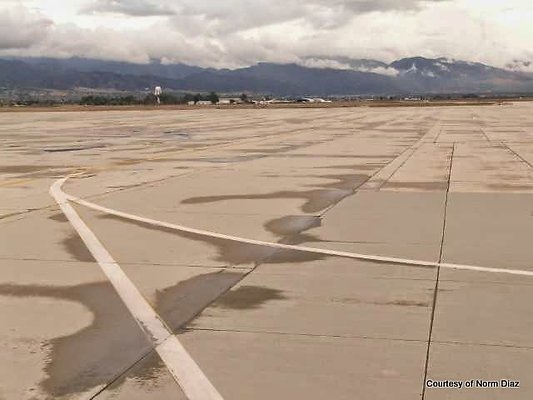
{"x": 157, "y": 93}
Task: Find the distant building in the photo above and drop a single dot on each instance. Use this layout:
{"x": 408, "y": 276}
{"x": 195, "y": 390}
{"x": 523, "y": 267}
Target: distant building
{"x": 230, "y": 100}
{"x": 312, "y": 100}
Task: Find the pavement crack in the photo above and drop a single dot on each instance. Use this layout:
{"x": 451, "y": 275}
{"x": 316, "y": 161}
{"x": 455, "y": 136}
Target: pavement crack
{"x": 437, "y": 280}
{"x": 302, "y": 334}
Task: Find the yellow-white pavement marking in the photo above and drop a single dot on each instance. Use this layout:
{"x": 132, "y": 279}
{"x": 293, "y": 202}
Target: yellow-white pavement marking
{"x": 327, "y": 252}
{"x": 183, "y": 368}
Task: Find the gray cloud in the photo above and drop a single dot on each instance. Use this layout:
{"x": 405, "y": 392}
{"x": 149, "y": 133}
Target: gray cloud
{"x": 21, "y": 28}
{"x": 134, "y": 8}
{"x": 237, "y": 15}
{"x": 379, "y": 5}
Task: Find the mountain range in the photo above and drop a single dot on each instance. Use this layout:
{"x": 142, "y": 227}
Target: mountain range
{"x": 313, "y": 76}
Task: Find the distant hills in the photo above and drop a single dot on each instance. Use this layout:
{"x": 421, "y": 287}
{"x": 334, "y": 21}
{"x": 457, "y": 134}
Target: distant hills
{"x": 314, "y": 76}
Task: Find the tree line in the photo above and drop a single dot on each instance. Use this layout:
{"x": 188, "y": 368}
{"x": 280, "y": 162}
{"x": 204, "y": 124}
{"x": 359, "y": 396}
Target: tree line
{"x": 165, "y": 98}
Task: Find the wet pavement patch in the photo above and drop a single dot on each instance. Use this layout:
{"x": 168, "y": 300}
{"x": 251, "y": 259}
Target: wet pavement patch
{"x": 292, "y": 257}
{"x": 59, "y": 217}
{"x": 224, "y": 160}
{"x": 177, "y": 134}
{"x": 24, "y": 169}
{"x": 293, "y": 224}
{"x": 316, "y": 200}
{"x": 340, "y": 156}
{"x": 164, "y": 160}
{"x": 402, "y": 303}
{"x": 232, "y": 252}
{"x": 297, "y": 121}
{"x": 97, "y": 353}
{"x": 248, "y": 297}
{"x": 69, "y": 149}
{"x": 291, "y": 228}
{"x": 36, "y": 171}
{"x": 284, "y": 148}
{"x": 146, "y": 372}
{"x": 179, "y": 304}
{"x": 344, "y": 181}
{"x": 421, "y": 186}
{"x": 503, "y": 187}
{"x": 77, "y": 249}
{"x": 357, "y": 167}
{"x": 13, "y": 214}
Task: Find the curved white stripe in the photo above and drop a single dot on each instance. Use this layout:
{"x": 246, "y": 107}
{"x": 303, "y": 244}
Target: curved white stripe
{"x": 334, "y": 253}
{"x": 185, "y": 371}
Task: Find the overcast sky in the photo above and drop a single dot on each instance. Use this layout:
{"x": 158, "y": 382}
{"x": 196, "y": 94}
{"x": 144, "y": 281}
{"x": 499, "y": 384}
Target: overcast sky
{"x": 232, "y": 33}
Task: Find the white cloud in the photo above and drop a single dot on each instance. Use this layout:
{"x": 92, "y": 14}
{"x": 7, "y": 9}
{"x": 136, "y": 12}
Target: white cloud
{"x": 389, "y": 71}
{"x": 324, "y": 63}
{"x": 21, "y": 28}
{"x": 314, "y": 62}
{"x": 235, "y": 33}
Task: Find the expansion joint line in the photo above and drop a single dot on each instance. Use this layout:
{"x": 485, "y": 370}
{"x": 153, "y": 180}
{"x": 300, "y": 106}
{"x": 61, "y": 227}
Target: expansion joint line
{"x": 437, "y": 280}
{"x": 515, "y": 153}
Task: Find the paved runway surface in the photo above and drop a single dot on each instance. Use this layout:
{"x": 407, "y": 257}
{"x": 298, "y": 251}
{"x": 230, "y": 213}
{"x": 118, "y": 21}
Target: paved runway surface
{"x": 436, "y": 184}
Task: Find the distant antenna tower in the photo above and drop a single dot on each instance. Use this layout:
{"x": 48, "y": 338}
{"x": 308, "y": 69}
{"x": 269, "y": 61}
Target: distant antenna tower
{"x": 157, "y": 93}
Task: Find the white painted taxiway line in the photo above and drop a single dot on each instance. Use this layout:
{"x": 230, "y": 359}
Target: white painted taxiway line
{"x": 327, "y": 252}
{"x": 185, "y": 371}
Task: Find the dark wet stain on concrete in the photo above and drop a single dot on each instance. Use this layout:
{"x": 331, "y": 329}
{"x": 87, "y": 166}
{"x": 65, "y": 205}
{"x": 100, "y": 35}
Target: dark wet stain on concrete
{"x": 292, "y": 224}
{"x": 357, "y": 167}
{"x": 344, "y": 181}
{"x": 146, "y": 372}
{"x": 342, "y": 156}
{"x": 164, "y": 160}
{"x": 97, "y": 353}
{"x": 510, "y": 187}
{"x": 284, "y": 148}
{"x": 179, "y": 304}
{"x": 225, "y": 160}
{"x": 23, "y": 169}
{"x": 296, "y": 121}
{"x": 69, "y": 149}
{"x": 422, "y": 186}
{"x": 402, "y": 303}
{"x": 127, "y": 161}
{"x": 123, "y": 187}
{"x": 77, "y": 249}
{"x": 177, "y": 134}
{"x": 59, "y": 217}
{"x": 316, "y": 200}
{"x": 35, "y": 172}
{"x": 232, "y": 252}
{"x": 292, "y": 257}
{"x": 291, "y": 228}
{"x": 248, "y": 297}
{"x": 14, "y": 214}
{"x": 49, "y": 173}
